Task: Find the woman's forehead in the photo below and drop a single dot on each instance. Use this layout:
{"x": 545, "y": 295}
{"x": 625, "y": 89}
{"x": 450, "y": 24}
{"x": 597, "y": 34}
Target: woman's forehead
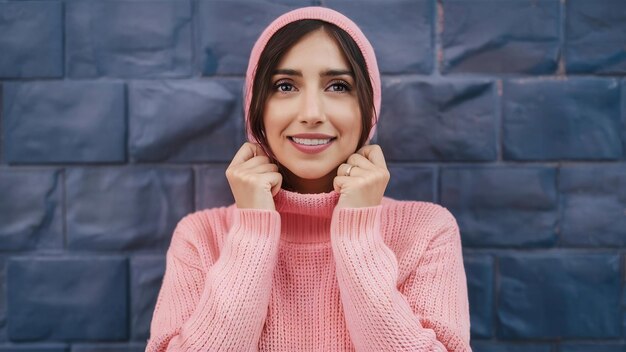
{"x": 329, "y": 72}
{"x": 315, "y": 50}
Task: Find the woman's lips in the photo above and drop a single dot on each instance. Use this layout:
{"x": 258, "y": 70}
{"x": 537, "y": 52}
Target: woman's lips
{"x": 311, "y": 149}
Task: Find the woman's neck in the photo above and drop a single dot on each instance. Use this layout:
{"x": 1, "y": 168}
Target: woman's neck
{"x": 297, "y": 184}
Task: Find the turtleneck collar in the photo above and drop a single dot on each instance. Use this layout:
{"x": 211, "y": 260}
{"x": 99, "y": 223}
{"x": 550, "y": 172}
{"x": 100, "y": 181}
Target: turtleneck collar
{"x": 314, "y": 204}
{"x": 305, "y": 218}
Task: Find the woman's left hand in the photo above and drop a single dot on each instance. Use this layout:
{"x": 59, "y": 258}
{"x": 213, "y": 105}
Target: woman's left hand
{"x": 362, "y": 180}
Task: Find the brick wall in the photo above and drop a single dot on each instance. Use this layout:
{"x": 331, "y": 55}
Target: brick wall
{"x": 119, "y": 117}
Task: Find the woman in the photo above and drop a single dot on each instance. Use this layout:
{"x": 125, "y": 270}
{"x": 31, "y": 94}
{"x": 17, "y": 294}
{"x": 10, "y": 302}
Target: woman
{"x": 311, "y": 256}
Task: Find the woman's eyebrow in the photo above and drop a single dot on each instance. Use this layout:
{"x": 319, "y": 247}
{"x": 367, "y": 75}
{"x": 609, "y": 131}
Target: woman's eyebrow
{"x": 332, "y": 72}
{"x": 336, "y": 73}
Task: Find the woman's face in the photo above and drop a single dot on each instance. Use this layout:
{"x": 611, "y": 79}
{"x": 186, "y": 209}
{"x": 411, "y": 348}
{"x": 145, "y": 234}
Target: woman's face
{"x": 311, "y": 119}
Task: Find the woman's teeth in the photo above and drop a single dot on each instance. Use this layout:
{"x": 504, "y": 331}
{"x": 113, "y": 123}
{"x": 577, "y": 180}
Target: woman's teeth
{"x": 305, "y": 141}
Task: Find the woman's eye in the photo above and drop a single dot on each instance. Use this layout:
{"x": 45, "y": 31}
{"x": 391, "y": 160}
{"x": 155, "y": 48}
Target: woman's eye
{"x": 284, "y": 87}
{"x": 339, "y": 87}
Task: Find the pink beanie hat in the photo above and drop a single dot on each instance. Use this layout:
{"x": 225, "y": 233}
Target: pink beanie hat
{"x": 316, "y": 13}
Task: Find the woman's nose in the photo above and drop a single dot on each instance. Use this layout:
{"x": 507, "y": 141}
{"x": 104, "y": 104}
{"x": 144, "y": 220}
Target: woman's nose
{"x": 312, "y": 110}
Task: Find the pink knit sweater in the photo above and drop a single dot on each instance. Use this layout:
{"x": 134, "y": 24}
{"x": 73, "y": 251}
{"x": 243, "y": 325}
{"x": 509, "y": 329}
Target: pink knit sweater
{"x": 309, "y": 277}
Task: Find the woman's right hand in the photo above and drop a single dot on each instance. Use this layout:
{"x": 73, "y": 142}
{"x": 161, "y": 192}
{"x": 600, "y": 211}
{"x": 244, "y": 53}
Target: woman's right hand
{"x": 253, "y": 180}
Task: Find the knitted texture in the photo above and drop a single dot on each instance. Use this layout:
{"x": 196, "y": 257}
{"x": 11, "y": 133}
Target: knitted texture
{"x": 310, "y": 277}
{"x": 323, "y": 14}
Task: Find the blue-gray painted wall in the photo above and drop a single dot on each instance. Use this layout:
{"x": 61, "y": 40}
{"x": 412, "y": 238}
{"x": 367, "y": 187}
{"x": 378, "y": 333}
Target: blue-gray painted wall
{"x": 117, "y": 118}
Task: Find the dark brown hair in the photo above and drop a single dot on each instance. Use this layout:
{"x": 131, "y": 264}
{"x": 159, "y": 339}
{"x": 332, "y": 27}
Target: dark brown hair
{"x": 276, "y": 48}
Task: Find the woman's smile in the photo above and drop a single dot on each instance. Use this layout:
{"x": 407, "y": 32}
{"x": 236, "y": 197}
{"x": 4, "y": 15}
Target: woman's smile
{"x": 311, "y": 143}
{"x": 311, "y": 146}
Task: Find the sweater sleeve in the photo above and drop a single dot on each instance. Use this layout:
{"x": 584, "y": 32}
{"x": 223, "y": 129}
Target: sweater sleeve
{"x": 429, "y": 313}
{"x": 223, "y": 307}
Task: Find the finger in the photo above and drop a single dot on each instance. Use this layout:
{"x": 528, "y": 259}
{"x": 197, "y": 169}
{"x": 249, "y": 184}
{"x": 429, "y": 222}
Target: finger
{"x": 259, "y": 150}
{"x": 361, "y": 161}
{"x": 247, "y": 151}
{"x": 274, "y": 180}
{"x": 374, "y": 153}
{"x": 264, "y": 168}
{"x": 254, "y": 162}
{"x": 342, "y": 169}
{"x": 355, "y": 171}
{"x": 278, "y": 181}
{"x": 339, "y": 182}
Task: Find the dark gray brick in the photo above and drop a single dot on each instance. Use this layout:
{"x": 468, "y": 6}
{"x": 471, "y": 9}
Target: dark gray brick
{"x": 624, "y": 116}
{"x": 129, "y": 39}
{"x": 71, "y": 298}
{"x": 502, "y": 206}
{"x": 185, "y": 121}
{"x": 479, "y": 271}
{"x": 489, "y": 346}
{"x": 225, "y": 45}
{"x": 34, "y": 347}
{"x": 213, "y": 189}
{"x": 438, "y": 120}
{"x": 126, "y": 208}
{"x": 298, "y": 3}
{"x": 410, "y": 182}
{"x": 132, "y": 347}
{"x": 30, "y": 209}
{"x": 624, "y": 291}
{"x": 562, "y": 119}
{"x": 401, "y": 32}
{"x": 593, "y": 202}
{"x": 48, "y": 122}
{"x": 592, "y": 346}
{"x": 31, "y": 39}
{"x": 595, "y": 36}
{"x": 3, "y": 300}
{"x": 500, "y": 36}
{"x": 544, "y": 296}
{"x": 146, "y": 277}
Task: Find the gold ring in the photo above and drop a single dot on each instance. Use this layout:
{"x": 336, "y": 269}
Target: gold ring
{"x": 349, "y": 169}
